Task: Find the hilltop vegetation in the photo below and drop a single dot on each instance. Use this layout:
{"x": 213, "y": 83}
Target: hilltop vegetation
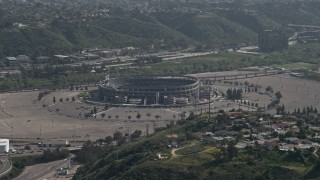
{"x": 158, "y": 26}
{"x": 195, "y": 158}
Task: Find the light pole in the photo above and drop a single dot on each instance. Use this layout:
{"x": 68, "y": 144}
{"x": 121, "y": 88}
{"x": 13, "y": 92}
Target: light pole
{"x": 210, "y": 90}
{"x": 40, "y": 131}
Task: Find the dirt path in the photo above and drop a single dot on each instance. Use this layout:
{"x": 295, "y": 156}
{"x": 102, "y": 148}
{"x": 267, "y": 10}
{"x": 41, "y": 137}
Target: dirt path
{"x": 173, "y": 151}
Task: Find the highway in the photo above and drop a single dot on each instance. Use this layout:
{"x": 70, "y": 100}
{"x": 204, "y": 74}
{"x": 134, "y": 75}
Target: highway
{"x": 5, "y": 165}
{"x": 43, "y": 171}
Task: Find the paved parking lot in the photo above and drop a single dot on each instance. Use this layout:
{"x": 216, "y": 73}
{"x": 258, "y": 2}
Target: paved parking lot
{"x": 23, "y": 117}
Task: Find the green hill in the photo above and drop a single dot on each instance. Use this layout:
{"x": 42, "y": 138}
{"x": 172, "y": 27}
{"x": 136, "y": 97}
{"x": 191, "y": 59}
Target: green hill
{"x": 196, "y": 159}
{"x": 173, "y": 28}
{"x": 217, "y": 31}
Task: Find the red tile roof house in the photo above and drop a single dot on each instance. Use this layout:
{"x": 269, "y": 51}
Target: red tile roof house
{"x": 270, "y": 145}
{"x": 282, "y": 125}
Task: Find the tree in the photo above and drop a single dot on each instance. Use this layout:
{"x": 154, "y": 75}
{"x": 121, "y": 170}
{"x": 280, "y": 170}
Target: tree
{"x": 302, "y": 133}
{"x": 40, "y": 96}
{"x": 138, "y": 116}
{"x": 232, "y": 151}
{"x": 269, "y": 89}
{"x": 174, "y": 116}
{"x": 95, "y": 110}
{"x": 103, "y": 115}
{"x": 157, "y": 117}
{"x": 229, "y": 94}
{"x": 129, "y": 117}
{"x": 54, "y": 99}
{"x": 117, "y": 116}
{"x": 136, "y": 134}
{"x": 67, "y": 99}
{"x": 73, "y": 99}
{"x": 61, "y": 100}
{"x": 278, "y": 95}
{"x": 117, "y": 135}
{"x": 299, "y": 123}
{"x": 182, "y": 115}
{"x": 191, "y": 116}
{"x": 148, "y": 115}
{"x": 108, "y": 139}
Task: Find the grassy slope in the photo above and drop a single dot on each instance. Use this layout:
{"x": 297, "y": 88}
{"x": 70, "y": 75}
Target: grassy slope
{"x": 137, "y": 161}
{"x": 216, "y": 31}
{"x": 60, "y": 37}
{"x": 252, "y": 20}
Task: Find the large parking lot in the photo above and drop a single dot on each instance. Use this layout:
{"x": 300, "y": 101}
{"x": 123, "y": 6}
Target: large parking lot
{"x": 24, "y": 118}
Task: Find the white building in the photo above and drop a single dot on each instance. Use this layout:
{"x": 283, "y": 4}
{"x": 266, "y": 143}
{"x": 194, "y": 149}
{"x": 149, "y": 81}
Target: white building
{"x": 4, "y": 145}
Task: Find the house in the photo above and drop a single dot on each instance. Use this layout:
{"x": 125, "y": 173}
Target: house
{"x": 61, "y": 58}
{"x": 271, "y": 144}
{"x": 240, "y": 145}
{"x": 11, "y": 61}
{"x": 90, "y": 56}
{"x": 292, "y": 140}
{"x": 236, "y": 115}
{"x": 282, "y": 125}
{"x": 173, "y": 145}
{"x": 160, "y": 156}
{"x": 23, "y": 59}
{"x": 208, "y": 134}
{"x": 286, "y": 147}
{"x": 42, "y": 59}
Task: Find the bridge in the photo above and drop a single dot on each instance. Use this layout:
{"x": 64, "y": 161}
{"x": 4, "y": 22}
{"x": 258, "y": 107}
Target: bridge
{"x": 240, "y": 76}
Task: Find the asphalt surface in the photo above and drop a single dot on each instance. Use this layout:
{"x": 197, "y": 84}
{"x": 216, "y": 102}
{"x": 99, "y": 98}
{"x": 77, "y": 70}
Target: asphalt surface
{"x": 5, "y": 164}
{"x": 42, "y": 171}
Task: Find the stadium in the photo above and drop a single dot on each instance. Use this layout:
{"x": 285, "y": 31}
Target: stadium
{"x": 149, "y": 90}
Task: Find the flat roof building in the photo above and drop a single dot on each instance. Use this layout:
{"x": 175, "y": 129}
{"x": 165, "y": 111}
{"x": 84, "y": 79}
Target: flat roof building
{"x": 4, "y": 146}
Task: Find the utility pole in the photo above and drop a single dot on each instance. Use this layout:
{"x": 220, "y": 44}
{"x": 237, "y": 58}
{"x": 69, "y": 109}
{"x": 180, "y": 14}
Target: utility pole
{"x": 74, "y": 133}
{"x": 11, "y": 132}
{"x": 209, "y": 104}
{"x": 147, "y": 130}
{"x": 40, "y": 131}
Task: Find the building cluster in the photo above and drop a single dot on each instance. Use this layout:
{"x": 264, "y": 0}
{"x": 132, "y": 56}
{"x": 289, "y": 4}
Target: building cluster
{"x": 271, "y": 133}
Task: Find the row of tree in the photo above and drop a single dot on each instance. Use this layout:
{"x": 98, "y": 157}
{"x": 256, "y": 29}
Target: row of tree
{"x": 234, "y": 93}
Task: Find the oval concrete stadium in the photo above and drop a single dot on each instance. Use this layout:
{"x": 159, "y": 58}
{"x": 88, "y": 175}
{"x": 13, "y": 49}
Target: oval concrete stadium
{"x": 147, "y": 90}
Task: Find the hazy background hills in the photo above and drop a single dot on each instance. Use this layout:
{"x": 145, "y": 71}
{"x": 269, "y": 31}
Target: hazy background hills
{"x": 214, "y": 27}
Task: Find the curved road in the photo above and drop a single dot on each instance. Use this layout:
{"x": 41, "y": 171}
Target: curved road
{"x": 5, "y": 165}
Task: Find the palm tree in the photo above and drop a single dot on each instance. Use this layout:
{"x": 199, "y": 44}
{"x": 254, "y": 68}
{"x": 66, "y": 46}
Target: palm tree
{"x": 103, "y": 115}
{"x": 157, "y": 117}
{"x": 148, "y": 114}
{"x": 138, "y": 116}
{"x": 174, "y": 116}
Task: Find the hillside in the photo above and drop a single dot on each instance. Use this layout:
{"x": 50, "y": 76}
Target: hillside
{"x": 161, "y": 26}
{"x": 195, "y": 158}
